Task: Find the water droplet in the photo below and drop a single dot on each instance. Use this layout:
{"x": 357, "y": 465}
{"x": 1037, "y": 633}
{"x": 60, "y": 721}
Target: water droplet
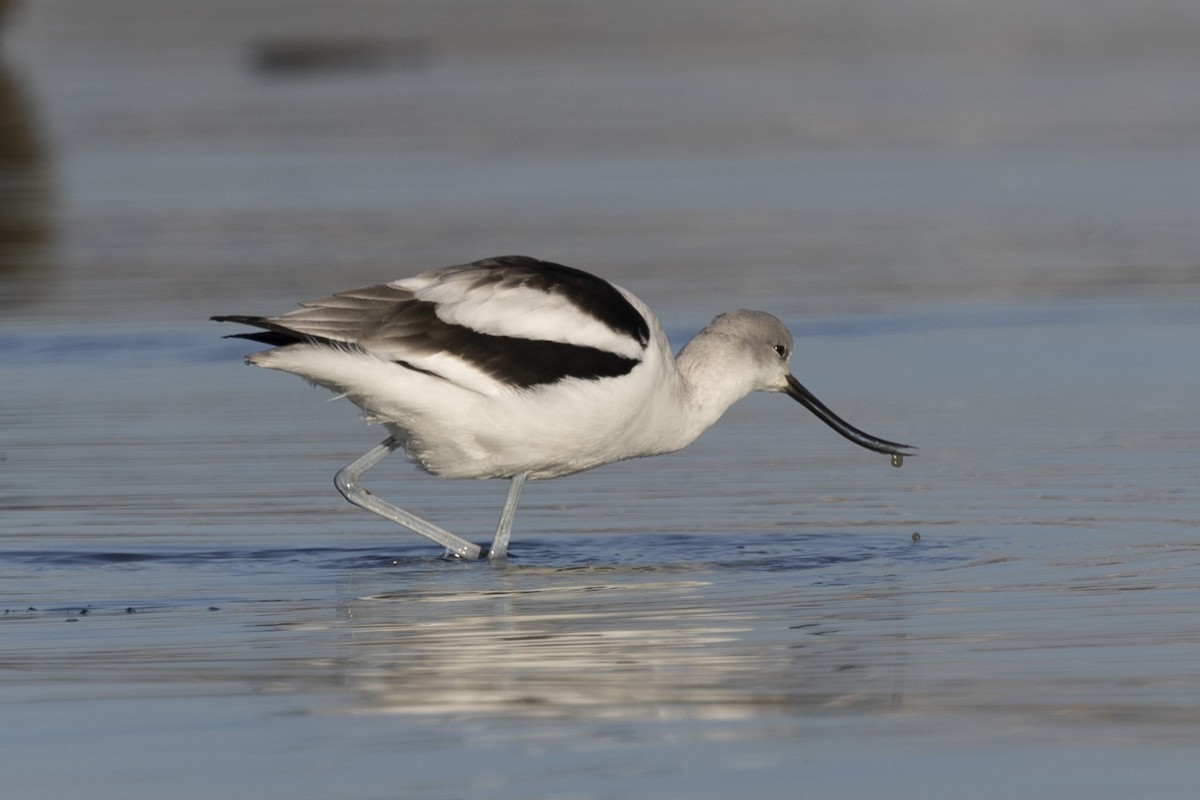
{"x": 897, "y": 460}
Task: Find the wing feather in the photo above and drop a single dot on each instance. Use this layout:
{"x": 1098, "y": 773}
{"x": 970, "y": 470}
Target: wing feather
{"x": 520, "y": 321}
{"x": 520, "y": 297}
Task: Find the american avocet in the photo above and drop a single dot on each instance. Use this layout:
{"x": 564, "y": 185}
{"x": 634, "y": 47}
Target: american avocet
{"x": 516, "y": 368}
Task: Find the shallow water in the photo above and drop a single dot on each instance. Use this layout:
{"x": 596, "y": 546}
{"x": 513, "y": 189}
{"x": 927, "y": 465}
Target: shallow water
{"x": 178, "y": 594}
{"x": 998, "y": 269}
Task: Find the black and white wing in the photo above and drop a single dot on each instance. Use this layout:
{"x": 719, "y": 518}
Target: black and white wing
{"x": 521, "y": 321}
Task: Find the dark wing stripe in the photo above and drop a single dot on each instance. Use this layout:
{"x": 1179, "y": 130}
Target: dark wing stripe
{"x": 528, "y": 362}
{"x": 415, "y": 368}
{"x": 413, "y": 326}
{"x": 593, "y": 296}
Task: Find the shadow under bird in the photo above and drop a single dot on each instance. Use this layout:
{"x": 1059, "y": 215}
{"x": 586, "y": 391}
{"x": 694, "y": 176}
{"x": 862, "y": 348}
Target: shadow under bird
{"x": 517, "y": 368}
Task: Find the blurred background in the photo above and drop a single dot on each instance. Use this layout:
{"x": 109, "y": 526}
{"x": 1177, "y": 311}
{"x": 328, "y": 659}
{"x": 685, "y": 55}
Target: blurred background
{"x": 982, "y": 220}
{"x": 165, "y": 160}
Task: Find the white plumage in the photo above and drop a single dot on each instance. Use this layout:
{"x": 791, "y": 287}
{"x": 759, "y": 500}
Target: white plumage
{"x": 516, "y": 368}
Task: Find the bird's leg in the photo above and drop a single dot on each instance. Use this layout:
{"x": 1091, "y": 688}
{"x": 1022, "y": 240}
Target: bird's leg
{"x": 499, "y": 548}
{"x": 346, "y": 482}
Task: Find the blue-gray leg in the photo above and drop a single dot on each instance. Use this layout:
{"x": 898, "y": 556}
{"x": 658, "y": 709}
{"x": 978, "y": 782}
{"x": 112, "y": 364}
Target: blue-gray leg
{"x": 499, "y": 548}
{"x": 346, "y": 482}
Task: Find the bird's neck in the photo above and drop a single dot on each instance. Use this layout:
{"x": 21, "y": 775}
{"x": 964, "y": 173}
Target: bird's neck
{"x": 708, "y": 384}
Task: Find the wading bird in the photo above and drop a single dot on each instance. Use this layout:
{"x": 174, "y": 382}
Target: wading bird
{"x": 522, "y": 369}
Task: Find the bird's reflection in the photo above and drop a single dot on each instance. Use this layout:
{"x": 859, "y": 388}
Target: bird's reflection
{"x": 618, "y": 644}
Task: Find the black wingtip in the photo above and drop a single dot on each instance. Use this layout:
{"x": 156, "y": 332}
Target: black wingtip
{"x": 241, "y": 319}
{"x": 264, "y": 337}
{"x": 272, "y": 334}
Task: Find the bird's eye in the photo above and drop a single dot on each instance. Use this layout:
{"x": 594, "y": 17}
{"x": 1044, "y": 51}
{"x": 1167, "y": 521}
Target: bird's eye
{"x": 781, "y": 350}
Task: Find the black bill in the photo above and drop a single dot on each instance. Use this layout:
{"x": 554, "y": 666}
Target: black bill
{"x": 807, "y": 399}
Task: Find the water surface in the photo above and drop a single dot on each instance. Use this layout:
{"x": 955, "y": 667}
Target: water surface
{"x": 983, "y": 232}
